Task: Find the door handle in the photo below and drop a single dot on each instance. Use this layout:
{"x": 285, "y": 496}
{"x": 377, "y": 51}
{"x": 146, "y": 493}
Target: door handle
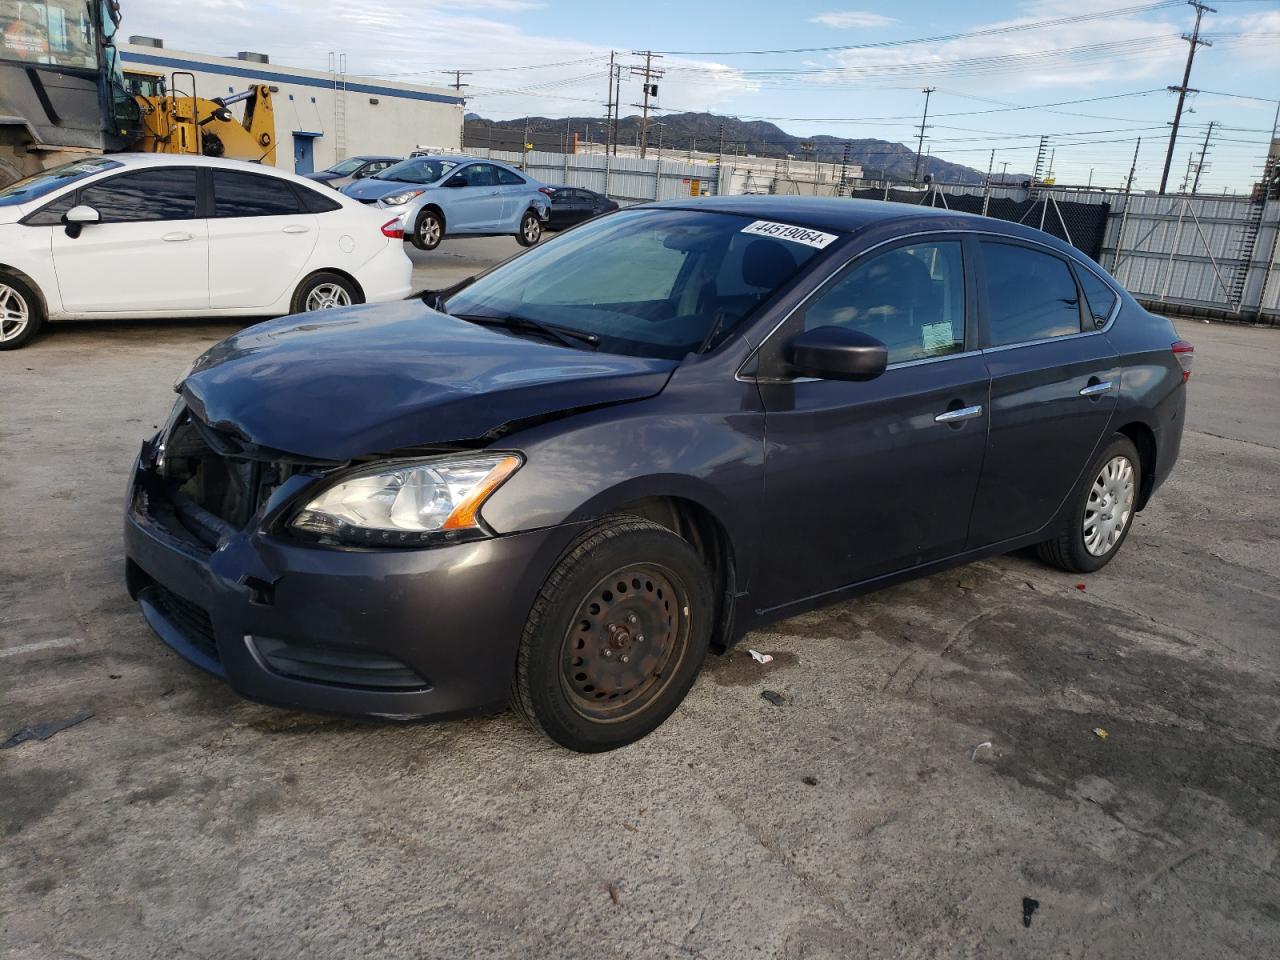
{"x": 1096, "y": 389}
{"x": 956, "y": 416}
{"x": 295, "y": 228}
{"x": 495, "y": 193}
{"x": 177, "y": 237}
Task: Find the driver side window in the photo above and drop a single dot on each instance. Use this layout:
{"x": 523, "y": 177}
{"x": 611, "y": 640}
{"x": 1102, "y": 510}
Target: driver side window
{"x": 910, "y": 298}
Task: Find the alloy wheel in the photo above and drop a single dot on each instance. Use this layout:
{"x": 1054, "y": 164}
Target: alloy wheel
{"x": 15, "y": 313}
{"x": 325, "y": 296}
{"x": 625, "y": 642}
{"x": 429, "y": 231}
{"x": 532, "y": 230}
{"x": 1110, "y": 506}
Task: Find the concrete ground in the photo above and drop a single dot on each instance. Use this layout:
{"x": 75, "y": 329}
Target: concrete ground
{"x": 932, "y": 770}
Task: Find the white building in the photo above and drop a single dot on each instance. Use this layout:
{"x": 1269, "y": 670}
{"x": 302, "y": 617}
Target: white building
{"x": 321, "y": 117}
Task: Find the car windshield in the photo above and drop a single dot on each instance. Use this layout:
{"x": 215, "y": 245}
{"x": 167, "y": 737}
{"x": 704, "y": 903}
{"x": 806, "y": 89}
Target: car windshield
{"x": 654, "y": 283}
{"x": 417, "y": 170}
{"x": 350, "y": 165}
{"x": 38, "y": 185}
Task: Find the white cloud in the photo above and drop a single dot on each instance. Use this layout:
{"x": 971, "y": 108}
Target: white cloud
{"x": 848, "y": 19}
{"x": 418, "y": 41}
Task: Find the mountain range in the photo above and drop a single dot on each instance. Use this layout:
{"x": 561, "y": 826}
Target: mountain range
{"x": 707, "y": 131}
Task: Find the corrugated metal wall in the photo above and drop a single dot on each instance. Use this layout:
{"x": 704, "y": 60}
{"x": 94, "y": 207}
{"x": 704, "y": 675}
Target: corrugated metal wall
{"x": 623, "y": 178}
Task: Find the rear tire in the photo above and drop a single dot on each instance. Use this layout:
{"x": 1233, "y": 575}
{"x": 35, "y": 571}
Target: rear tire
{"x": 324, "y": 291}
{"x": 21, "y": 313}
{"x": 530, "y": 229}
{"x": 1102, "y": 511}
{"x": 428, "y": 231}
{"x": 616, "y": 636}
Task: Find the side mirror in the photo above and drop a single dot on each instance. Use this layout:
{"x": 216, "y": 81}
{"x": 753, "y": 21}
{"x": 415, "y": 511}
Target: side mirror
{"x": 361, "y": 174}
{"x": 837, "y": 353}
{"x": 458, "y": 181}
{"x": 76, "y": 218}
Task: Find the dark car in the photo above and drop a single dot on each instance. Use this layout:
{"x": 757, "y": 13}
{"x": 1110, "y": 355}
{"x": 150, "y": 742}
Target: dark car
{"x": 572, "y": 205}
{"x": 560, "y": 483}
{"x": 352, "y": 169}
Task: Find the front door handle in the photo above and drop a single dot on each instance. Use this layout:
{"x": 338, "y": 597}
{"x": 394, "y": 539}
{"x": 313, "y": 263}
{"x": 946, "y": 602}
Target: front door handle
{"x": 1097, "y": 389}
{"x": 177, "y": 237}
{"x": 963, "y": 413}
{"x": 296, "y": 228}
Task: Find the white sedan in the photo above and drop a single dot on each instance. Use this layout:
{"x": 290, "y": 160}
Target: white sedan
{"x": 158, "y": 235}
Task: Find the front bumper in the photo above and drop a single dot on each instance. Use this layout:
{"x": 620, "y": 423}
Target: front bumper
{"x": 394, "y": 633}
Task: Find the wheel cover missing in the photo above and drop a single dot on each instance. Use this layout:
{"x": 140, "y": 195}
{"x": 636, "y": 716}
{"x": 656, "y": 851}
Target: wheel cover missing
{"x": 625, "y": 643}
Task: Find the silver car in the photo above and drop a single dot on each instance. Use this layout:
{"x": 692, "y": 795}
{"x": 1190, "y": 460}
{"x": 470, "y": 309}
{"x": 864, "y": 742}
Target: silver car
{"x": 459, "y": 196}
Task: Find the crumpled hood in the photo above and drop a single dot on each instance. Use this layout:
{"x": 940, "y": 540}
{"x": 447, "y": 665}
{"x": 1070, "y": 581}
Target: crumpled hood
{"x": 374, "y": 379}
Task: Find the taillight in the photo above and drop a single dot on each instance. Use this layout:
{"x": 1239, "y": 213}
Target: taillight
{"x": 393, "y": 229}
{"x": 1185, "y": 354}
{"x": 549, "y": 191}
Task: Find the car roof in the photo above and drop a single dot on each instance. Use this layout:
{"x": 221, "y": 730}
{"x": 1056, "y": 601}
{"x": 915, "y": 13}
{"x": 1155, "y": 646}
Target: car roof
{"x": 144, "y": 160}
{"x": 853, "y": 216}
{"x": 373, "y": 156}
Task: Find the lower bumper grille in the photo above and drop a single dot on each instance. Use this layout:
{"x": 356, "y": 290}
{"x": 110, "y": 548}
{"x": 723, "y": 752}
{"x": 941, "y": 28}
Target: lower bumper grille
{"x": 191, "y": 620}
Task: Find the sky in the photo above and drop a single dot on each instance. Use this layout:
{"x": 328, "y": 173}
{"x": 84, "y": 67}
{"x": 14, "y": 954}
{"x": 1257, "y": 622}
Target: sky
{"x": 1094, "y": 85}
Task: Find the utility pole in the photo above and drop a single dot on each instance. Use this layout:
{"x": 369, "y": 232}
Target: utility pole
{"x": 915, "y": 174}
{"x": 457, "y": 78}
{"x": 617, "y": 105}
{"x": 1194, "y": 42}
{"x": 648, "y": 74}
{"x": 608, "y": 108}
{"x": 524, "y": 145}
{"x": 986, "y": 188}
{"x": 1133, "y": 168}
{"x": 1204, "y": 148}
{"x": 720, "y": 155}
{"x": 1004, "y": 170}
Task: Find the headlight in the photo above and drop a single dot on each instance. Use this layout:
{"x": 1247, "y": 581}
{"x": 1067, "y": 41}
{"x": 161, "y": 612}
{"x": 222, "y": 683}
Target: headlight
{"x": 398, "y": 198}
{"x": 407, "y": 503}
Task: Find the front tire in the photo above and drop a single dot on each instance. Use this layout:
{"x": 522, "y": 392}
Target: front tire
{"x": 616, "y": 636}
{"x": 21, "y": 313}
{"x": 325, "y": 291}
{"x": 530, "y": 229}
{"x": 428, "y": 231}
{"x": 1102, "y": 514}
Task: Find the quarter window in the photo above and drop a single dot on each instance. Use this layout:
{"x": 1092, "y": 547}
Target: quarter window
{"x": 162, "y": 193}
{"x": 1030, "y": 295}
{"x": 910, "y": 298}
{"x": 1100, "y": 297}
{"x": 508, "y": 179}
{"x": 252, "y": 195}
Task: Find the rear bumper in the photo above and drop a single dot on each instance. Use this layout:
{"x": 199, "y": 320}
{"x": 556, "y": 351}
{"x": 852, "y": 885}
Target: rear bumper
{"x": 393, "y": 633}
{"x": 387, "y": 275}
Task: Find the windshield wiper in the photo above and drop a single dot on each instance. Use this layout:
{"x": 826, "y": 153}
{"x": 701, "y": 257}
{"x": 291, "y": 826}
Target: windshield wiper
{"x": 566, "y": 336}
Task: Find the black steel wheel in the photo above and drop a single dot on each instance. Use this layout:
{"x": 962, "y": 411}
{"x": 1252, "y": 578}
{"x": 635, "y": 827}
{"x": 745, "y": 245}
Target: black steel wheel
{"x": 616, "y": 637}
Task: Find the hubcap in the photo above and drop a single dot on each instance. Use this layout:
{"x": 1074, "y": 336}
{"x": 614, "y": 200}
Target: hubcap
{"x": 625, "y": 643}
{"x": 1110, "y": 506}
{"x": 15, "y": 314}
{"x": 429, "y": 230}
{"x": 326, "y": 296}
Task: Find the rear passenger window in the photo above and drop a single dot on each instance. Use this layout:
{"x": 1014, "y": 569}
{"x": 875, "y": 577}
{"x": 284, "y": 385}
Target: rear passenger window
{"x": 1101, "y": 299}
{"x": 911, "y": 299}
{"x": 1030, "y": 295}
{"x": 315, "y": 201}
{"x": 251, "y": 195}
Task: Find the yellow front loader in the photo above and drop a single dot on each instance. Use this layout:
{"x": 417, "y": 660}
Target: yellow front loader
{"x": 172, "y": 123}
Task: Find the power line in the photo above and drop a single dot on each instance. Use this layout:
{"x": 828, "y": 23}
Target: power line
{"x": 987, "y": 32}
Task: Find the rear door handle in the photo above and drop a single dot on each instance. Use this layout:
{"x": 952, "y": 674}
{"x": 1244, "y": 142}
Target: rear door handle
{"x": 1097, "y": 389}
{"x": 296, "y": 228}
{"x": 955, "y": 416}
{"x": 177, "y": 237}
